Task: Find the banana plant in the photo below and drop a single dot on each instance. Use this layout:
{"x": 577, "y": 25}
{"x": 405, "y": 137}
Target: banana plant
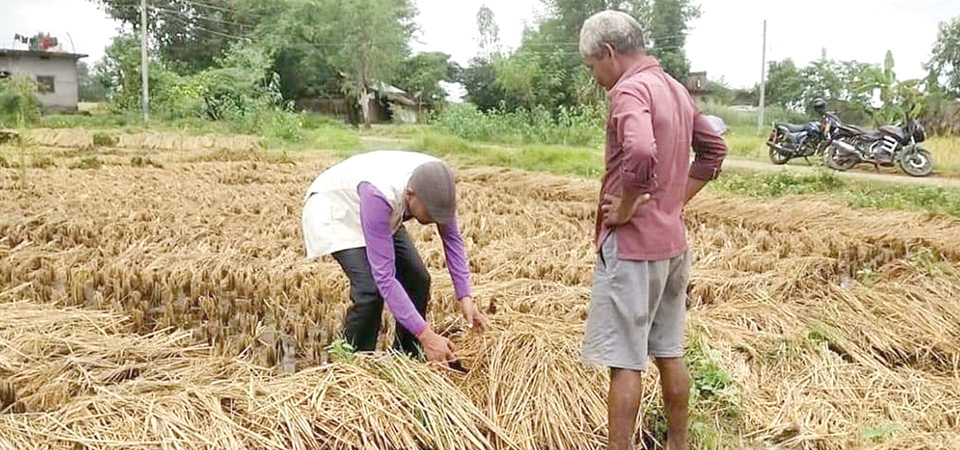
{"x": 900, "y": 100}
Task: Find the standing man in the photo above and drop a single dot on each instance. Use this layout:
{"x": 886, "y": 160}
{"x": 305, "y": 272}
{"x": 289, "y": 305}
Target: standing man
{"x": 638, "y": 304}
{"x": 355, "y": 211}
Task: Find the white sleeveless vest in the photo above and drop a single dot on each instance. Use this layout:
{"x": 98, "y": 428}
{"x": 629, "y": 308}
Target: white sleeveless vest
{"x": 331, "y": 212}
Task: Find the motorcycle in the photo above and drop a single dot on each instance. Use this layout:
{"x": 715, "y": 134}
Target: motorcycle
{"x": 886, "y": 146}
{"x": 788, "y": 141}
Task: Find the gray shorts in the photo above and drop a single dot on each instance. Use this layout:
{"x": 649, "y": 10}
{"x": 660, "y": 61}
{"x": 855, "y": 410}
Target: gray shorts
{"x": 637, "y": 308}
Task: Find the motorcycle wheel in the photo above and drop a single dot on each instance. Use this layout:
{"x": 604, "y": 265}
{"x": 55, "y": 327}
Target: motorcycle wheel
{"x": 836, "y": 162}
{"x": 777, "y": 158}
{"x": 916, "y": 163}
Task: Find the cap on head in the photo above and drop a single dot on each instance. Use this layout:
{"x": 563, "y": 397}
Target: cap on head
{"x": 434, "y": 185}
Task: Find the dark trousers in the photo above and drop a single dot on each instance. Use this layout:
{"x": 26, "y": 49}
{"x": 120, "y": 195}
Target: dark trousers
{"x": 362, "y": 325}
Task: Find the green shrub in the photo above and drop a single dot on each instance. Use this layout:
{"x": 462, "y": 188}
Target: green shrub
{"x": 779, "y": 183}
{"x": 565, "y": 126}
{"x": 87, "y": 162}
{"x": 18, "y": 101}
{"x": 241, "y": 92}
{"x": 144, "y": 161}
{"x": 101, "y": 139}
{"x": 41, "y": 161}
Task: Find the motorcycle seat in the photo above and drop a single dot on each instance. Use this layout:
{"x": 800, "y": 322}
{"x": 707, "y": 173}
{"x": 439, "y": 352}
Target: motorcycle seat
{"x": 796, "y": 137}
{"x": 791, "y": 128}
{"x": 896, "y": 132}
{"x": 859, "y": 129}
{"x": 863, "y": 133}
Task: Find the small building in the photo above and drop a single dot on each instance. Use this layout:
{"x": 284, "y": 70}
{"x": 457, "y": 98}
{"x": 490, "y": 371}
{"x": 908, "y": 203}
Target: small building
{"x": 386, "y": 103}
{"x": 55, "y": 73}
{"x": 696, "y": 84}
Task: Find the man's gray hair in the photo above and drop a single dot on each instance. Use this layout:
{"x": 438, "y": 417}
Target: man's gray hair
{"x": 616, "y": 28}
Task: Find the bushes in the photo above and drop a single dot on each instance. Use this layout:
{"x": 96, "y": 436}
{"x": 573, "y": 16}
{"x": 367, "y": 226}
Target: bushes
{"x": 240, "y": 92}
{"x": 18, "y": 101}
{"x": 101, "y": 139}
{"x": 566, "y": 126}
{"x": 743, "y": 118}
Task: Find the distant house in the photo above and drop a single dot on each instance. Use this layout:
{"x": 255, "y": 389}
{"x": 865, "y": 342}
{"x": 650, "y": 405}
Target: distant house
{"x": 696, "y": 84}
{"x": 386, "y": 104}
{"x": 54, "y": 72}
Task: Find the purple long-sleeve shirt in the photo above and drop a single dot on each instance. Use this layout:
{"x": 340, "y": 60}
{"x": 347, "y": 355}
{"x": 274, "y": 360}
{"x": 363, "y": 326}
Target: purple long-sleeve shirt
{"x": 375, "y": 212}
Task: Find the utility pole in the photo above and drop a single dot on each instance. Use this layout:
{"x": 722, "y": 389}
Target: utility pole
{"x": 763, "y": 79}
{"x": 144, "y": 62}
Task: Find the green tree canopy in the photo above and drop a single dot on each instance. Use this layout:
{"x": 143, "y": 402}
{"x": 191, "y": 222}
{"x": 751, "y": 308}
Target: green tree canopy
{"x": 944, "y": 65}
{"x": 355, "y": 42}
{"x": 546, "y": 69}
{"x": 188, "y": 35}
{"x": 422, "y": 73}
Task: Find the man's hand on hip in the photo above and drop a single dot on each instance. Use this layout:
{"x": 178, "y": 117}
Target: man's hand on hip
{"x": 616, "y": 212}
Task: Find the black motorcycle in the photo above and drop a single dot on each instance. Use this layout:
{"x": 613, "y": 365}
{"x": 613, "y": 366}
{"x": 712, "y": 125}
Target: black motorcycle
{"x": 886, "y": 146}
{"x": 788, "y": 141}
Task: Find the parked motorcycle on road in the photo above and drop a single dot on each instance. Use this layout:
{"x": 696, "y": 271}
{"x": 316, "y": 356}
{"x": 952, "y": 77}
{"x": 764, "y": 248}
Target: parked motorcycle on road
{"x": 886, "y": 146}
{"x": 788, "y": 141}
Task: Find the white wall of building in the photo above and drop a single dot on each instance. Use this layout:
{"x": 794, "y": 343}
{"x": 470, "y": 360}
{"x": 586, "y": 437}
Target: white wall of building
{"x": 63, "y": 70}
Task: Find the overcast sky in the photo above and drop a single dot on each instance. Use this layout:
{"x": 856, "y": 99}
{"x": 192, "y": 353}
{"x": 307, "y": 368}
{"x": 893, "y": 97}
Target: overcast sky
{"x": 725, "y": 41}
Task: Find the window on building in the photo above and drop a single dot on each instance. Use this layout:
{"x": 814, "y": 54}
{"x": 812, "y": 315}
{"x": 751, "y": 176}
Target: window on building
{"x": 45, "y": 84}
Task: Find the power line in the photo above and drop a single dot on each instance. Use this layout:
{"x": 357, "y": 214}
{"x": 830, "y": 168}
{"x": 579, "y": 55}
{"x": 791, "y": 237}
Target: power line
{"x": 561, "y": 43}
{"x": 204, "y": 5}
{"x": 188, "y": 16}
{"x": 214, "y": 32}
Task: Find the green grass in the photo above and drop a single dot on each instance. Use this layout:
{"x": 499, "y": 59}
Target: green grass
{"x": 877, "y": 434}
{"x": 777, "y": 184}
{"x": 104, "y": 139}
{"x": 565, "y": 126}
{"x": 738, "y": 118}
{"x": 399, "y": 131}
{"x": 946, "y": 153}
{"x": 558, "y": 159}
{"x": 857, "y": 194}
{"x": 87, "y": 162}
{"x": 716, "y": 400}
{"x": 744, "y": 141}
{"x": 131, "y": 123}
{"x": 323, "y": 137}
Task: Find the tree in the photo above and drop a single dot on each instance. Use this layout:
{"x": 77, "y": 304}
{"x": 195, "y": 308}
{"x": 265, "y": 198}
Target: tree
{"x": 120, "y": 70}
{"x": 363, "y": 41}
{"x": 785, "y": 85}
{"x": 421, "y": 75}
{"x": 667, "y": 34}
{"x": 944, "y": 65}
{"x": 480, "y": 81}
{"x": 188, "y": 35}
{"x": 546, "y": 70}
{"x": 92, "y": 88}
{"x": 900, "y": 100}
{"x": 489, "y": 32}
{"x": 565, "y": 17}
